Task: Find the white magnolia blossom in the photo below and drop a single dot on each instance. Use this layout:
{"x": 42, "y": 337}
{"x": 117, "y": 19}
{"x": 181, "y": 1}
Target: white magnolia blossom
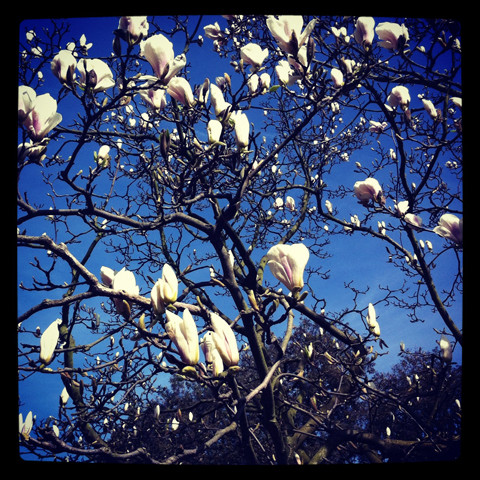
{"x": 285, "y": 73}
{"x": 180, "y": 90}
{"x": 48, "y": 342}
{"x": 368, "y": 190}
{"x": 450, "y": 227}
{"x": 63, "y": 66}
{"x": 42, "y": 116}
{"x": 287, "y": 263}
{"x": 399, "y": 96}
{"x": 285, "y": 27}
{"x": 290, "y": 203}
{"x": 183, "y": 333}
{"x": 124, "y": 281}
{"x": 158, "y": 51}
{"x": 137, "y": 27}
{"x": 372, "y": 320}
{"x": 364, "y": 31}
{"x": 95, "y": 74}
{"x": 242, "y": 129}
{"x": 224, "y": 340}
{"x": 25, "y": 427}
{"x": 392, "y": 35}
{"x": 165, "y": 290}
{"x": 214, "y": 130}
{"x": 430, "y": 108}
{"x": 337, "y": 77}
{"x": 252, "y": 54}
{"x": 445, "y": 349}
{"x": 218, "y": 102}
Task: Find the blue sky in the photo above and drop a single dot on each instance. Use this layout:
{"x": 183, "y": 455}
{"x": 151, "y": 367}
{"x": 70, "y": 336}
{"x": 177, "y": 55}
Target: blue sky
{"x": 363, "y": 260}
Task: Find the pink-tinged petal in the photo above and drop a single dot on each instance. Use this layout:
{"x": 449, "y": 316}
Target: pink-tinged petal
{"x": 287, "y": 264}
{"x": 183, "y": 333}
{"x": 224, "y": 339}
{"x": 450, "y": 227}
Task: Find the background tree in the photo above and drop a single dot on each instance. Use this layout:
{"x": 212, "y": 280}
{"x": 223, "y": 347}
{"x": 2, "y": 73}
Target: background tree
{"x": 160, "y": 172}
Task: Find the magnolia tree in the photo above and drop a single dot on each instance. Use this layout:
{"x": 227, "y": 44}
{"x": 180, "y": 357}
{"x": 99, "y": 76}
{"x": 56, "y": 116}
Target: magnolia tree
{"x": 188, "y": 189}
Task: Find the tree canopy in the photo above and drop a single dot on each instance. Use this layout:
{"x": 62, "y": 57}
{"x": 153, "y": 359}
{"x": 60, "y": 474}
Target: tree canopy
{"x": 240, "y": 239}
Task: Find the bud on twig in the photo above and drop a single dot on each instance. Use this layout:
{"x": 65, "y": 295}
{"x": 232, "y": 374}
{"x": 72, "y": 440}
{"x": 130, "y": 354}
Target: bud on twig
{"x": 117, "y": 46}
{"x": 164, "y": 143}
{"x": 310, "y": 50}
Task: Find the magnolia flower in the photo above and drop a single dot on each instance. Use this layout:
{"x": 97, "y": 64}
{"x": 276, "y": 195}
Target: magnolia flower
{"x": 218, "y": 102}
{"x": 103, "y": 157}
{"x": 25, "y": 428}
{"x": 287, "y": 31}
{"x": 214, "y": 32}
{"x": 137, "y": 27}
{"x": 202, "y": 91}
{"x": 290, "y": 203}
{"x": 124, "y": 281}
{"x": 208, "y": 346}
{"x": 285, "y": 73}
{"x": 372, "y": 320}
{"x": 165, "y": 289}
{"x": 414, "y": 220}
{"x": 430, "y": 108}
{"x": 339, "y": 33}
{"x": 42, "y": 118}
{"x": 278, "y": 204}
{"x": 107, "y": 274}
{"x": 401, "y": 208}
{"x": 242, "y": 129}
{"x": 212, "y": 355}
{"x": 287, "y": 263}
{"x": 26, "y": 101}
{"x": 399, "y": 96}
{"x": 337, "y": 76}
{"x": 445, "y": 349}
{"x": 368, "y": 190}
{"x": 152, "y": 96}
{"x": 252, "y": 83}
{"x": 217, "y": 363}
{"x": 84, "y": 45}
{"x": 63, "y": 66}
{"x": 377, "y": 127}
{"x": 34, "y": 151}
{"x": 48, "y": 342}
{"x": 95, "y": 74}
{"x": 180, "y": 90}
{"x": 214, "y": 130}
{"x": 253, "y": 55}
{"x": 348, "y": 65}
{"x": 224, "y": 340}
{"x": 64, "y": 396}
{"x": 392, "y": 35}
{"x": 183, "y": 333}
{"x": 457, "y": 101}
{"x": 158, "y": 51}
{"x": 451, "y": 228}
{"x": 264, "y": 82}
{"x": 364, "y": 31}
{"x": 174, "y": 424}
{"x": 328, "y": 205}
